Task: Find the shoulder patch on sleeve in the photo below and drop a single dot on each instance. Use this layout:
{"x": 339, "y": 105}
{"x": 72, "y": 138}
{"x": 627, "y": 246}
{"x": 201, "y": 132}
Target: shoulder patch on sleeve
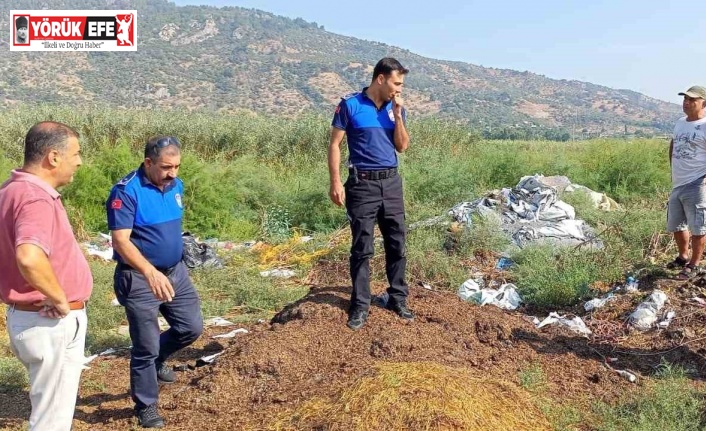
{"x": 127, "y": 178}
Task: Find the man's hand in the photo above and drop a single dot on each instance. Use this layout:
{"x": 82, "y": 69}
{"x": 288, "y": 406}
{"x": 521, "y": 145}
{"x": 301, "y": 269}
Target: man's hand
{"x": 53, "y": 310}
{"x": 160, "y": 285}
{"x": 397, "y": 105}
{"x": 337, "y": 194}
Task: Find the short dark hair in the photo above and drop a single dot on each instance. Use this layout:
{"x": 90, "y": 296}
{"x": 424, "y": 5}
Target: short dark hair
{"x": 387, "y": 65}
{"x": 44, "y": 137}
{"x": 156, "y": 144}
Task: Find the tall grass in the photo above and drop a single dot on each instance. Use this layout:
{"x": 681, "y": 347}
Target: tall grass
{"x": 252, "y": 177}
{"x": 236, "y": 167}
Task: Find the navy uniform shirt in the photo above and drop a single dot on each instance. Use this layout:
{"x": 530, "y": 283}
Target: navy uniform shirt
{"x": 369, "y": 131}
{"x": 153, "y": 215}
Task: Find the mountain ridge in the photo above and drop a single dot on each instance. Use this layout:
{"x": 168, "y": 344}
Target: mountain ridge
{"x": 232, "y": 59}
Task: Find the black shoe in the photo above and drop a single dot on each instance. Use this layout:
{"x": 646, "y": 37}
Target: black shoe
{"x": 149, "y": 418}
{"x": 165, "y": 374}
{"x": 400, "y": 307}
{"x": 357, "y": 319}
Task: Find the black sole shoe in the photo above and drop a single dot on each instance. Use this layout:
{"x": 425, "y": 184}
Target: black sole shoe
{"x": 401, "y": 310}
{"x": 357, "y": 319}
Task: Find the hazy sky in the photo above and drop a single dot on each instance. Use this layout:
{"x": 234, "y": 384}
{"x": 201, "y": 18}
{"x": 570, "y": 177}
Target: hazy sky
{"x": 655, "y": 47}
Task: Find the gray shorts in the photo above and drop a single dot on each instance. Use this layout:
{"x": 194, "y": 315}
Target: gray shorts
{"x": 687, "y": 208}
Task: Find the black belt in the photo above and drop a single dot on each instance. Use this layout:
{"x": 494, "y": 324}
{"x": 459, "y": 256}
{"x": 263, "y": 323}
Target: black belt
{"x": 377, "y": 175}
{"x": 166, "y": 271}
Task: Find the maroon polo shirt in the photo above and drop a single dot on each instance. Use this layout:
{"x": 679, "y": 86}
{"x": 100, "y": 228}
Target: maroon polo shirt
{"x": 31, "y": 212}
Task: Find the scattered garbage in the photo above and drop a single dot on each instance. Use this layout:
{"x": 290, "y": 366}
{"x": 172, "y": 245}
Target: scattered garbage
{"x": 627, "y": 375}
{"x": 631, "y": 284}
{"x": 104, "y": 253}
{"x": 228, "y": 245}
{"x": 532, "y": 319}
{"x": 199, "y": 255}
{"x": 232, "y": 333}
{"x": 699, "y": 301}
{"x": 107, "y": 352}
{"x": 115, "y": 303}
{"x": 576, "y": 324}
{"x": 208, "y": 360}
{"x": 645, "y": 315}
{"x": 530, "y": 212}
{"x": 102, "y": 247}
{"x": 597, "y": 302}
{"x": 217, "y": 321}
{"x": 504, "y": 263}
{"x": 505, "y": 297}
{"x": 664, "y": 323}
{"x": 279, "y": 273}
{"x": 113, "y": 350}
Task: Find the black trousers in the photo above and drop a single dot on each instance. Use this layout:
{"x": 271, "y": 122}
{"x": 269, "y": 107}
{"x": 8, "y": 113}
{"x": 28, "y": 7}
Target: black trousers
{"x": 148, "y": 345}
{"x": 368, "y": 201}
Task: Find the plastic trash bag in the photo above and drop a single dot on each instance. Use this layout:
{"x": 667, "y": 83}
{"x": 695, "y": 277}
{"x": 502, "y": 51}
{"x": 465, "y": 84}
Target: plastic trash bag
{"x": 505, "y": 297}
{"x": 597, "y": 302}
{"x": 645, "y": 315}
{"x": 199, "y": 255}
{"x": 576, "y": 324}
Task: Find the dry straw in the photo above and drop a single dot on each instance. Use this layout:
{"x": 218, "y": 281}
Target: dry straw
{"x": 290, "y": 253}
{"x": 419, "y": 396}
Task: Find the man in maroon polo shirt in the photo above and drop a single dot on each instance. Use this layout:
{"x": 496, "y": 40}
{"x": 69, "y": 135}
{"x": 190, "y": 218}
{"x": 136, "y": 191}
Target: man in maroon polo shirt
{"x": 45, "y": 277}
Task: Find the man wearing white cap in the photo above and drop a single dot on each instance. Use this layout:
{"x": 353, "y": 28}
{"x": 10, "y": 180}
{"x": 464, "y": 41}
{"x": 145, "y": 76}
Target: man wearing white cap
{"x": 686, "y": 212}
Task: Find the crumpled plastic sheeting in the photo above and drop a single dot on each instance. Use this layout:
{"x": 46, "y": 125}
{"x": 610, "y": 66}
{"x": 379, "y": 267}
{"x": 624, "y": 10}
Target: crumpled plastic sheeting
{"x": 530, "y": 212}
{"x": 232, "y": 333}
{"x": 576, "y": 324}
{"x": 217, "y": 321}
{"x": 598, "y": 302}
{"x": 645, "y": 315}
{"x": 505, "y": 297}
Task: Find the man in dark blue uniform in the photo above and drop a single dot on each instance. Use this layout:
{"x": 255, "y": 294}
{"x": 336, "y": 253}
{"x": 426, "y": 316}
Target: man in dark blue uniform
{"x": 373, "y": 122}
{"x": 145, "y": 217}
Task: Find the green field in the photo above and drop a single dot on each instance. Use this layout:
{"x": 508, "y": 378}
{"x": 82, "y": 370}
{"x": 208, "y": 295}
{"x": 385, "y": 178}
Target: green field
{"x": 254, "y": 177}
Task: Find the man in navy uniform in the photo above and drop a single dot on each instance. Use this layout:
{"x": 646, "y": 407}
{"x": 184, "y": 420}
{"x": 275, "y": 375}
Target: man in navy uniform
{"x": 145, "y": 218}
{"x": 373, "y": 121}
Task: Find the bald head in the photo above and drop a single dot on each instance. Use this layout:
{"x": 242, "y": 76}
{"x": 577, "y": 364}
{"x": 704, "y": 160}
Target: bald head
{"x": 44, "y": 137}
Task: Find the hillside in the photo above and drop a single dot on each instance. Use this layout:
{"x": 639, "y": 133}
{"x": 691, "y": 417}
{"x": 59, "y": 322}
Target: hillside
{"x": 233, "y": 59}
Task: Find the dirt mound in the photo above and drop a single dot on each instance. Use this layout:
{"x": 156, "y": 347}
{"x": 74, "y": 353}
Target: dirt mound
{"x": 308, "y": 353}
{"x": 305, "y": 369}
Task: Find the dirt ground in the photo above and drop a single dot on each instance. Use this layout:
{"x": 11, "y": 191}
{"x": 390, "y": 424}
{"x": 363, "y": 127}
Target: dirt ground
{"x": 307, "y": 351}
